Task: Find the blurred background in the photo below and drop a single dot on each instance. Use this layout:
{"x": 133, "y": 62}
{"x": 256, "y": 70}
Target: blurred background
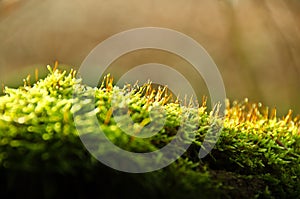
{"x": 254, "y": 43}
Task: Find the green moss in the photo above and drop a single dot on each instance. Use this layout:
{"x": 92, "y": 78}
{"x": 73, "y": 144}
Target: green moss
{"x": 257, "y": 155}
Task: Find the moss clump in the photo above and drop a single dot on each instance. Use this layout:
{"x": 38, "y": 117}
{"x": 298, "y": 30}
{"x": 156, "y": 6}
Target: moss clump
{"x": 257, "y": 155}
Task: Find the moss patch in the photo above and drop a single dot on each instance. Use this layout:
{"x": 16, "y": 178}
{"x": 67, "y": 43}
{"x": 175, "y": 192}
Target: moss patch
{"x": 257, "y": 155}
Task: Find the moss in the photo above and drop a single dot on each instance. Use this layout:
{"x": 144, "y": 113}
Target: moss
{"x": 257, "y": 155}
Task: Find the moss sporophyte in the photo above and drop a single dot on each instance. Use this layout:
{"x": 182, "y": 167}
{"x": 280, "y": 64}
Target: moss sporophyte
{"x": 38, "y": 135}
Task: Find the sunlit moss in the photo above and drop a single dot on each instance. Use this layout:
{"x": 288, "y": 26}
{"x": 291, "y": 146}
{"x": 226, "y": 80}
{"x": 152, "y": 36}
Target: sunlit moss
{"x": 37, "y": 131}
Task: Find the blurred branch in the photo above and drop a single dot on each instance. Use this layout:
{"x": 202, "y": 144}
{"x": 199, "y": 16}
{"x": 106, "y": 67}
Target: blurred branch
{"x": 285, "y": 43}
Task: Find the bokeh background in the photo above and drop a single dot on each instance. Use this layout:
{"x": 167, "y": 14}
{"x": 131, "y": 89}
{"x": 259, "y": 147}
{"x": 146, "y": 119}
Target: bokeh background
{"x": 255, "y": 43}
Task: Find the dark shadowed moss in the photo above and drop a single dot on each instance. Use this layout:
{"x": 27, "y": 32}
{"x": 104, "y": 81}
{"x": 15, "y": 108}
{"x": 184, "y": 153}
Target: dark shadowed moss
{"x": 42, "y": 156}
